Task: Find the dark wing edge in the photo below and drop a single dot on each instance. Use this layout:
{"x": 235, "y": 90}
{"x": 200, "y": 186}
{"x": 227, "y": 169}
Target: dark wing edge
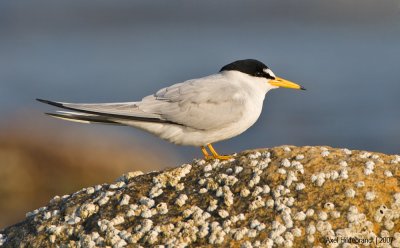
{"x": 103, "y": 114}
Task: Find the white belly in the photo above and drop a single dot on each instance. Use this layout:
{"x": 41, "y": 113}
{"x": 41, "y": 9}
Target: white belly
{"x": 182, "y": 135}
{"x": 251, "y": 92}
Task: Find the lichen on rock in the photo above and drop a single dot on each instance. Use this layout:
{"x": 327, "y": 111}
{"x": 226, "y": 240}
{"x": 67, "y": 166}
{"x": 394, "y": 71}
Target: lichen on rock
{"x": 279, "y": 197}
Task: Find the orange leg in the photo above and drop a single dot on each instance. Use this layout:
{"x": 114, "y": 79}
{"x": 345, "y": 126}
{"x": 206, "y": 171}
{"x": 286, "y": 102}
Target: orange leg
{"x": 205, "y": 153}
{"x": 215, "y": 155}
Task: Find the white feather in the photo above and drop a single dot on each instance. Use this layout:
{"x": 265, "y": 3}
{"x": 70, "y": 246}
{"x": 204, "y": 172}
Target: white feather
{"x": 209, "y": 109}
{"x": 196, "y": 112}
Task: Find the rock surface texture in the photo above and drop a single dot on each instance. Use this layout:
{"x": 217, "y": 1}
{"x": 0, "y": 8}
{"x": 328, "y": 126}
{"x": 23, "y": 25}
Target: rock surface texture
{"x": 280, "y": 197}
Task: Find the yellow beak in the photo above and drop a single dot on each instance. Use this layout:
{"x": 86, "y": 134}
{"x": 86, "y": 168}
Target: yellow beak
{"x": 280, "y": 82}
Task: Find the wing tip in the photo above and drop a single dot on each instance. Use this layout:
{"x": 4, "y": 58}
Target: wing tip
{"x": 41, "y": 100}
{"x": 57, "y": 104}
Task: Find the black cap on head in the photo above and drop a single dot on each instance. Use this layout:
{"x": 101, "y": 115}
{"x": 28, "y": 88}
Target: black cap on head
{"x": 249, "y": 66}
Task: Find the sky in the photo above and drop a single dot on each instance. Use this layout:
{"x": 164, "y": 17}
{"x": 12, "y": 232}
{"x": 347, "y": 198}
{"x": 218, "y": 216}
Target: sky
{"x": 346, "y": 53}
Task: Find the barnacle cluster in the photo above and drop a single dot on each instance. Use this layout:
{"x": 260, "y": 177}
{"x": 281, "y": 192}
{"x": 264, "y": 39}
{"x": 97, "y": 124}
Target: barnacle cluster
{"x": 279, "y": 197}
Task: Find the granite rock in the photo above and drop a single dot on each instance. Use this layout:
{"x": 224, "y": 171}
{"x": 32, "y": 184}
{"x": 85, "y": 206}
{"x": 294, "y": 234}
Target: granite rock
{"x": 280, "y": 197}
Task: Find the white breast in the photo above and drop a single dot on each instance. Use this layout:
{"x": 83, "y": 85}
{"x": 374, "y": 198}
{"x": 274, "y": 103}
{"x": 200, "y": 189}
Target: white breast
{"x": 253, "y": 92}
{"x": 250, "y": 92}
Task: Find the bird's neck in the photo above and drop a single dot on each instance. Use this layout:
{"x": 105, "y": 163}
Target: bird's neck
{"x": 254, "y": 85}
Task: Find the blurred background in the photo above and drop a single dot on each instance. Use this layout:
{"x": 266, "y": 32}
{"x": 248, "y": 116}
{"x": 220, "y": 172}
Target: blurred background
{"x": 345, "y": 52}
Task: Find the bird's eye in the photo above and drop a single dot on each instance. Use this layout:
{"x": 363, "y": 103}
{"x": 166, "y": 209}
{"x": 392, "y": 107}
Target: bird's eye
{"x": 259, "y": 74}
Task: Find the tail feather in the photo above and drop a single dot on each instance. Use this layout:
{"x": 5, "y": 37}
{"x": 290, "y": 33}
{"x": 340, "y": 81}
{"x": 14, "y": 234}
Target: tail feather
{"x": 83, "y": 118}
{"x": 127, "y": 111}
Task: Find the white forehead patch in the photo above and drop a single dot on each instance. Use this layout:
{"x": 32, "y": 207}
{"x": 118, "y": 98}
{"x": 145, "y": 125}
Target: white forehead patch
{"x": 269, "y": 72}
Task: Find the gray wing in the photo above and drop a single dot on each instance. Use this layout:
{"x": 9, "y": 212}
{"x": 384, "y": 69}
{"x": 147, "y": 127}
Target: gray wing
{"x": 123, "y": 110}
{"x": 206, "y": 103}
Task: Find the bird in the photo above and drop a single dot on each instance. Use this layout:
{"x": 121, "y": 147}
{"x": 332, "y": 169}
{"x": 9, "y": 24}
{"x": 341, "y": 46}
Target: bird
{"x": 197, "y": 112}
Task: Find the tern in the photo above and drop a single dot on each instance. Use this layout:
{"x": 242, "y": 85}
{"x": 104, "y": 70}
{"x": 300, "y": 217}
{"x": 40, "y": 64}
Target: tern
{"x": 196, "y": 112}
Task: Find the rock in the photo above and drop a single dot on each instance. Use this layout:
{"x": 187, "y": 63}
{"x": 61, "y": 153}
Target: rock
{"x": 284, "y": 196}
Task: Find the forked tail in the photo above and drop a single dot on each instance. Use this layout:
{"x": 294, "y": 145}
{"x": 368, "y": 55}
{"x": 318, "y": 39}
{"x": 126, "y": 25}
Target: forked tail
{"x": 82, "y": 117}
